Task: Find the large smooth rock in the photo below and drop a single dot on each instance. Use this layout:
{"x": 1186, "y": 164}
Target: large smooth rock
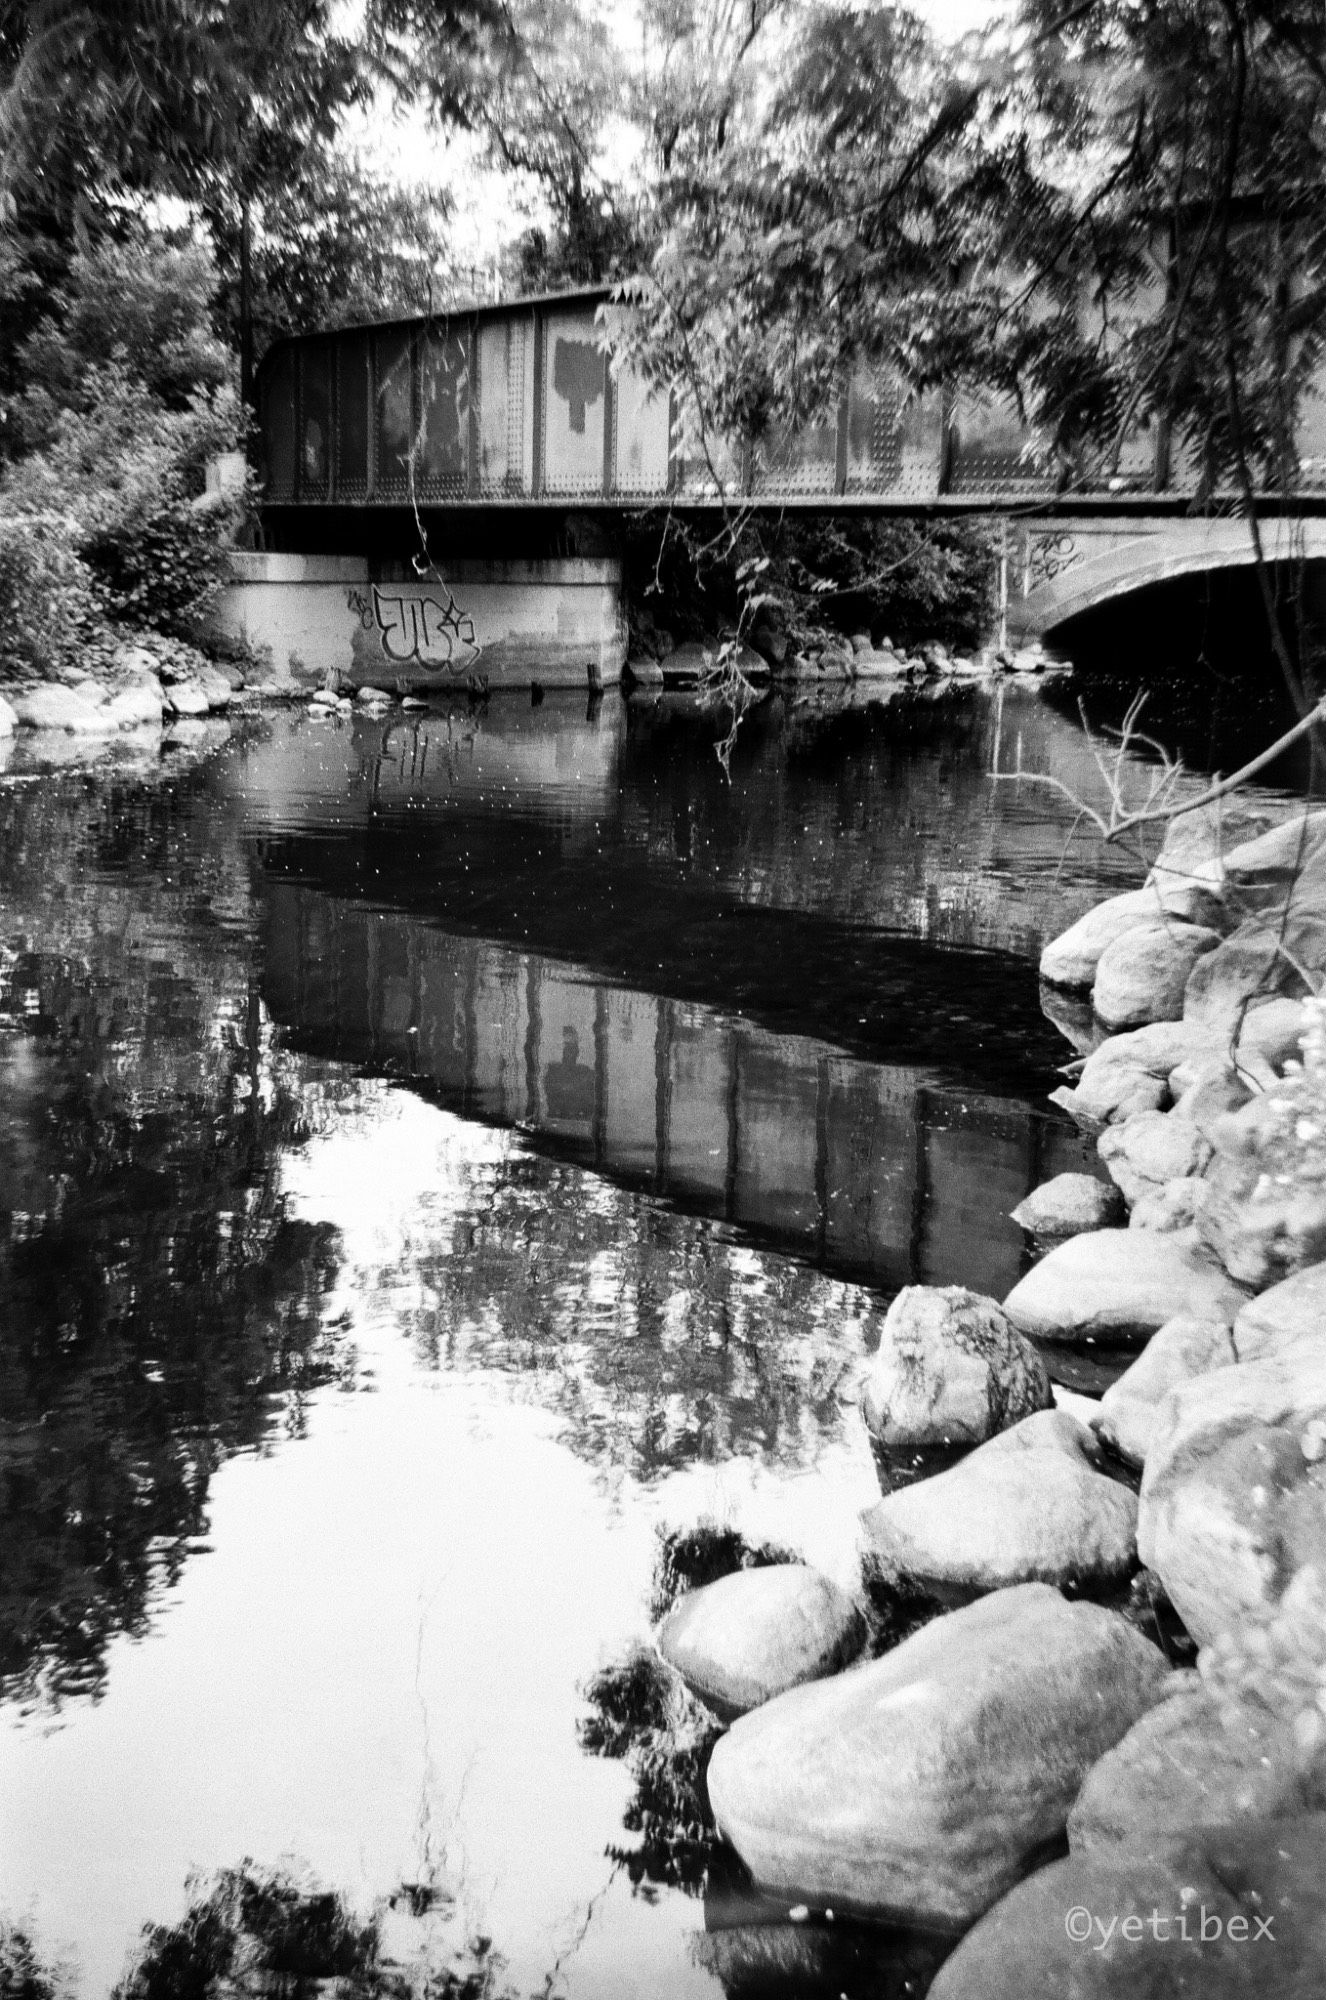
{"x": 1233, "y": 1504}
{"x": 1143, "y": 975}
{"x": 1071, "y": 959}
{"x": 917, "y": 1786}
{"x": 1195, "y": 1759}
{"x": 1119, "y": 1284}
{"x": 8, "y": 718}
{"x": 758, "y": 1632}
{"x": 1033, "y": 1944}
{"x": 951, "y": 1369}
{"x": 1068, "y": 1205}
{"x": 1259, "y": 1217}
{"x": 1150, "y": 1149}
{"x": 1179, "y": 1350}
{"x": 51, "y": 705}
{"x": 1031, "y": 1506}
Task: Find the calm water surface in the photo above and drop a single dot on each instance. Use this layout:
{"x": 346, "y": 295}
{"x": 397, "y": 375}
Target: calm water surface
{"x": 435, "y": 1155}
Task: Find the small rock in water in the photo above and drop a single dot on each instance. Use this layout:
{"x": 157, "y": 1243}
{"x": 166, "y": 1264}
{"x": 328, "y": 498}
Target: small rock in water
{"x": 950, "y": 1370}
{"x": 1067, "y": 1205}
{"x": 750, "y": 1636}
{"x": 917, "y": 1787}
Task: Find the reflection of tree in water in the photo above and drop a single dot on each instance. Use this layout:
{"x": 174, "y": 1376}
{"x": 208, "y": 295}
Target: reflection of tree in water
{"x": 658, "y": 1338}
{"x": 254, "y": 1933}
{"x": 158, "y": 1307}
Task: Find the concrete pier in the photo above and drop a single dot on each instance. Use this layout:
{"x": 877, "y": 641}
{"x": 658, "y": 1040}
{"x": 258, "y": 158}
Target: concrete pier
{"x": 357, "y": 622}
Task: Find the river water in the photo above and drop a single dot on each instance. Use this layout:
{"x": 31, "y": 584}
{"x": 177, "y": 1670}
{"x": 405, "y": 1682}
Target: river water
{"x": 436, "y": 1155}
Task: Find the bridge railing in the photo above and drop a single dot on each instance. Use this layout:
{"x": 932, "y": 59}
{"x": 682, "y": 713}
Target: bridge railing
{"x": 519, "y": 404}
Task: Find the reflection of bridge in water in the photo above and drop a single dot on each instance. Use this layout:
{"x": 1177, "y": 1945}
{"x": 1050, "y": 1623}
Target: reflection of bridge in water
{"x": 872, "y": 1169}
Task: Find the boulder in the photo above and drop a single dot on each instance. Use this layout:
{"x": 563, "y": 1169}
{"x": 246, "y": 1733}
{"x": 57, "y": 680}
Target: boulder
{"x": 1263, "y": 873}
{"x": 131, "y": 662}
{"x": 135, "y": 706}
{"x": 1261, "y": 1219}
{"x": 1194, "y": 1759}
{"x": 1142, "y": 976}
{"x": 1071, "y": 959}
{"x": 1233, "y": 1500}
{"x": 1031, "y": 1506}
{"x": 186, "y": 698}
{"x": 1217, "y": 1087}
{"x": 644, "y": 673}
{"x": 1187, "y": 1925}
{"x": 1182, "y": 1348}
{"x": 757, "y": 1633}
{"x": 1171, "y": 1206}
{"x": 879, "y": 666}
{"x": 1068, "y": 1205}
{"x": 1255, "y": 961}
{"x": 951, "y": 1369}
{"x": 1129, "y": 1073}
{"x": 1119, "y": 1284}
{"x": 1273, "y": 1030}
{"x": 1196, "y": 840}
{"x": 216, "y": 687}
{"x": 1283, "y": 1317}
{"x": 8, "y": 718}
{"x": 49, "y": 705}
{"x": 1150, "y": 1149}
{"x": 918, "y": 1786}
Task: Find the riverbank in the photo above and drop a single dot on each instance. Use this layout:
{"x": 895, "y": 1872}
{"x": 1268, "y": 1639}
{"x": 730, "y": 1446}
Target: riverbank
{"x": 1045, "y": 1552}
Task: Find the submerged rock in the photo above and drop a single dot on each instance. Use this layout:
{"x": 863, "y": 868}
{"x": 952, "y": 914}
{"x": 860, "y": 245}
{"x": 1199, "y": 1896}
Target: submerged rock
{"x": 758, "y": 1632}
{"x": 918, "y": 1786}
{"x": 1119, "y": 1284}
{"x": 1030, "y": 1506}
{"x": 1068, "y": 1205}
{"x": 1179, "y": 1350}
{"x": 1083, "y": 1928}
{"x": 951, "y": 1369}
{"x": 1143, "y": 975}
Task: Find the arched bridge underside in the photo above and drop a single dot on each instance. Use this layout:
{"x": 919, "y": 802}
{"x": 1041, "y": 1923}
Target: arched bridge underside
{"x": 1056, "y": 570}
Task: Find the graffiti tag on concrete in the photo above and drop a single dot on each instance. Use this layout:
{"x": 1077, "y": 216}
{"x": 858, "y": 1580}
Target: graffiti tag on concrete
{"x": 428, "y": 631}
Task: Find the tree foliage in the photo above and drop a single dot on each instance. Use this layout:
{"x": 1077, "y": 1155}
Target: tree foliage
{"x": 1113, "y": 217}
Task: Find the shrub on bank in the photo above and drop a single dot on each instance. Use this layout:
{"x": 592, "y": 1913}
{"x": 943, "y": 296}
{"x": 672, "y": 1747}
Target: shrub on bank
{"x": 808, "y": 578}
{"x": 103, "y": 514}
